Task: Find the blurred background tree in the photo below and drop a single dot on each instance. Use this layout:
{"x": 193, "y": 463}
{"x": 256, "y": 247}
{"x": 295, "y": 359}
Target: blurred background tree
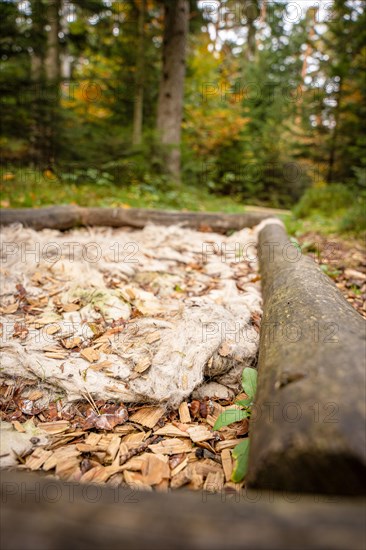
{"x": 254, "y": 99}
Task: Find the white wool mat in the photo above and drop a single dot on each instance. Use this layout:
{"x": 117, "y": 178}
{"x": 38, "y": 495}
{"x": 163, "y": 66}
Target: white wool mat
{"x": 136, "y": 316}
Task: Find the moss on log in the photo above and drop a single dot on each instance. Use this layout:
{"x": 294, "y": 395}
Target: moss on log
{"x": 67, "y": 217}
{"x": 308, "y": 427}
{"x": 40, "y": 513}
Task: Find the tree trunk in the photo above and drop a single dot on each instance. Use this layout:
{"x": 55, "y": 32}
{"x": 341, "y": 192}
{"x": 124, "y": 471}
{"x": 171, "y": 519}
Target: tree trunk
{"x": 139, "y": 93}
{"x": 52, "y": 67}
{"x": 170, "y": 102}
{"x": 334, "y": 137}
{"x": 52, "y": 61}
{"x": 251, "y": 10}
{"x": 37, "y": 74}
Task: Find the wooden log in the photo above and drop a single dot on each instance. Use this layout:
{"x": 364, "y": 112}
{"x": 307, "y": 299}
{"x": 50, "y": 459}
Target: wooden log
{"x": 41, "y": 513}
{"x": 308, "y": 426}
{"x": 67, "y": 217}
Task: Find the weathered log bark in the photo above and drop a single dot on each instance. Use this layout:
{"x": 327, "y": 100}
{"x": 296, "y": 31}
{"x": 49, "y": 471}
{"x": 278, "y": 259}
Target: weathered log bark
{"x": 40, "y": 513}
{"x": 308, "y": 428}
{"x": 67, "y": 217}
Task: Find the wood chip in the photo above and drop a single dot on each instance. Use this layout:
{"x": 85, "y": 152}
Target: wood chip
{"x": 83, "y": 448}
{"x": 134, "y": 464}
{"x": 71, "y": 343}
{"x": 153, "y": 337}
{"x": 52, "y": 329}
{"x": 148, "y": 416}
{"x": 199, "y": 433}
{"x": 11, "y": 308}
{"x": 66, "y": 467}
{"x": 56, "y": 427}
{"x": 60, "y": 455}
{"x": 135, "y": 480}
{"x": 134, "y": 438}
{"x": 113, "y": 447}
{"x": 154, "y": 470}
{"x": 180, "y": 467}
{"x": 90, "y": 354}
{"x": 104, "y": 365}
{"x": 55, "y": 355}
{"x": 182, "y": 478}
{"x": 196, "y": 482}
{"x": 216, "y": 410}
{"x": 227, "y": 463}
{"x": 34, "y": 395}
{"x": 171, "y": 431}
{"x": 36, "y": 460}
{"x": 18, "y": 426}
{"x": 171, "y": 446}
{"x": 93, "y": 439}
{"x": 125, "y": 429}
{"x": 70, "y": 307}
{"x": 214, "y": 482}
{"x": 224, "y": 349}
{"x": 204, "y": 467}
{"x": 229, "y": 444}
{"x": 104, "y": 442}
{"x": 184, "y": 415}
{"x": 142, "y": 365}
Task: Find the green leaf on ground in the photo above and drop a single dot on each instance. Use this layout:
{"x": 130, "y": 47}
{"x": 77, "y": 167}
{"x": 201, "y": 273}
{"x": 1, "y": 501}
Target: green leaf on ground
{"x": 249, "y": 381}
{"x": 241, "y": 456}
{"x": 244, "y": 402}
{"x": 228, "y": 417}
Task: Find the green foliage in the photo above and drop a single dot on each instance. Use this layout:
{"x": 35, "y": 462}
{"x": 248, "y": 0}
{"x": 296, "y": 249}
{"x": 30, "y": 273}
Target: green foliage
{"x": 332, "y": 208}
{"x": 328, "y": 200}
{"x": 228, "y": 417}
{"x": 30, "y": 186}
{"x": 241, "y": 451}
{"x": 249, "y": 382}
{"x": 354, "y": 220}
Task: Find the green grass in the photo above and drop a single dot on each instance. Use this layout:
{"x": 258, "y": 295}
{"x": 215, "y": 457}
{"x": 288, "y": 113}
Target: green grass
{"x": 325, "y": 211}
{"x": 36, "y": 190}
{"x": 334, "y": 208}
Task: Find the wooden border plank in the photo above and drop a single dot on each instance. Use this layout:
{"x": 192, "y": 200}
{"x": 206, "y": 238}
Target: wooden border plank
{"x": 40, "y": 513}
{"x": 67, "y": 217}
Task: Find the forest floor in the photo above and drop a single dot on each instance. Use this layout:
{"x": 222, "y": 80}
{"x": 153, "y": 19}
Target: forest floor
{"x": 343, "y": 260}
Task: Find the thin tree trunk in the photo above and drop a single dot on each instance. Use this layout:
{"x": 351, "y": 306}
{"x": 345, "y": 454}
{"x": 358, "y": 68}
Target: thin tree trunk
{"x": 251, "y": 12}
{"x": 333, "y": 142}
{"x": 52, "y": 65}
{"x": 52, "y": 61}
{"x": 170, "y": 102}
{"x": 140, "y": 66}
{"x": 37, "y": 78}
